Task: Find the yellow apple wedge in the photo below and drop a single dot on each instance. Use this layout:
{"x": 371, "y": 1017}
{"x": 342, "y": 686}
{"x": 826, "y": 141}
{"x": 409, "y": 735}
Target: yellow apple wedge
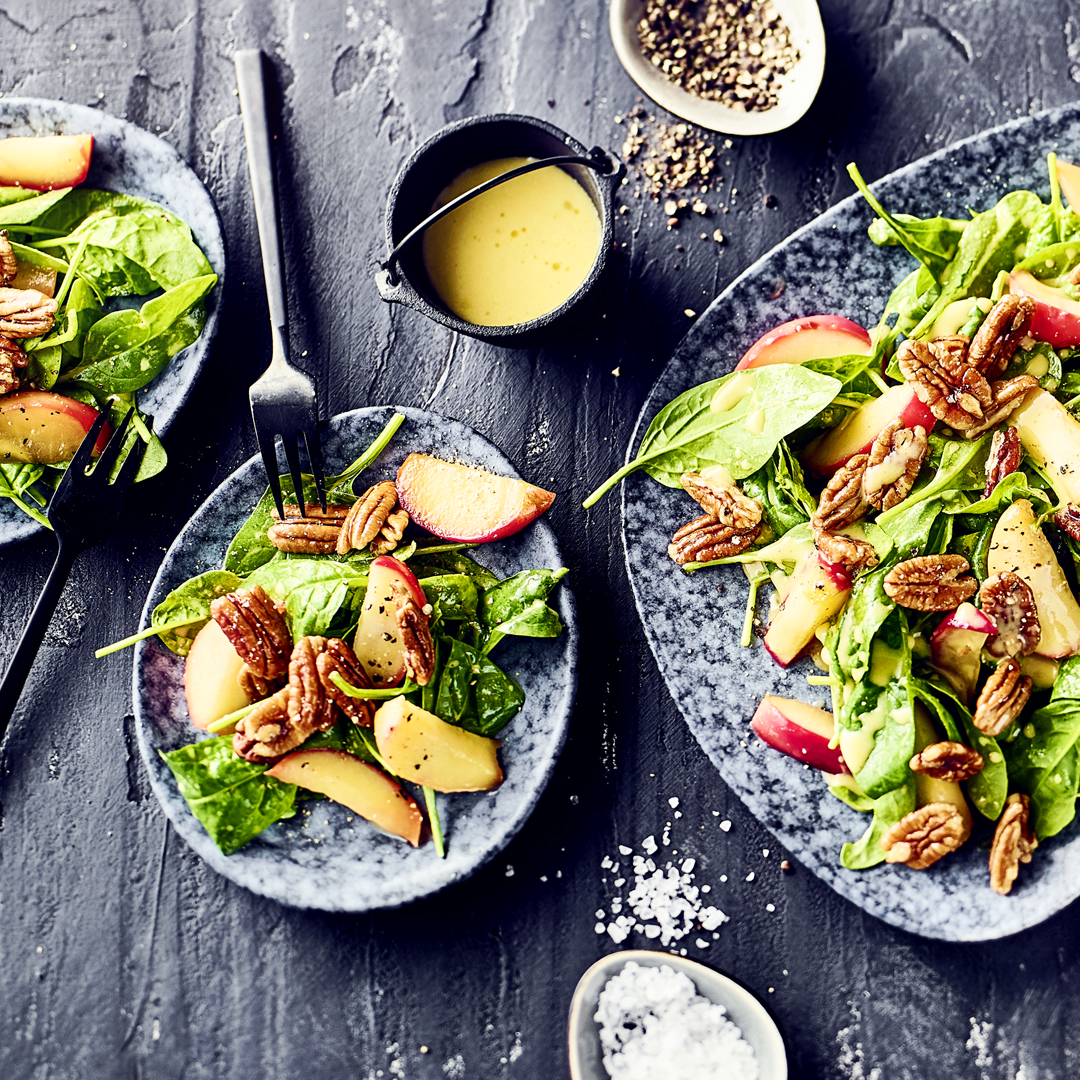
{"x": 361, "y": 787}
{"x": 1052, "y": 437}
{"x": 1019, "y": 545}
{"x": 421, "y": 748}
{"x": 45, "y": 162}
{"x": 212, "y": 677}
{"x": 931, "y": 789}
{"x": 40, "y": 426}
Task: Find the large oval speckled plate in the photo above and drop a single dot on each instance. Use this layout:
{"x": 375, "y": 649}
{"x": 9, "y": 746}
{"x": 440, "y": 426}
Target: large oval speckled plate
{"x": 330, "y": 859}
{"x": 132, "y": 161}
{"x": 694, "y": 622}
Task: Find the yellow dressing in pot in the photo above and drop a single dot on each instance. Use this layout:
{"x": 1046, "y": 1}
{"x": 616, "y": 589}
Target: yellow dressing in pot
{"x": 516, "y": 252}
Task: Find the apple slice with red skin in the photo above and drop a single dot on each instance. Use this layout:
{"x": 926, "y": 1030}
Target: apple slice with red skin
{"x": 817, "y": 591}
{"x": 856, "y": 434}
{"x": 458, "y": 502}
{"x": 420, "y": 747}
{"x": 814, "y": 337}
{"x": 212, "y": 677}
{"x": 956, "y": 647}
{"x": 43, "y": 427}
{"x": 1057, "y": 315}
{"x": 799, "y": 730}
{"x": 361, "y": 787}
{"x": 1050, "y": 435}
{"x": 45, "y": 162}
{"x": 376, "y": 644}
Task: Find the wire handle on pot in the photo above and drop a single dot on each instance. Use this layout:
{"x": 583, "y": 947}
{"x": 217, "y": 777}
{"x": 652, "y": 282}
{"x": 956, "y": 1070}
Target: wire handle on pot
{"x": 597, "y": 159}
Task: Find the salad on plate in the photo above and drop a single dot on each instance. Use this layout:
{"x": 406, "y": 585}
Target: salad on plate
{"x": 913, "y": 496}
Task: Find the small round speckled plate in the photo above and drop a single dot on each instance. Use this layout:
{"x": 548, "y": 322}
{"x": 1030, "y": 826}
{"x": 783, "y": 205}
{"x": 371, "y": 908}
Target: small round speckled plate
{"x": 694, "y": 621}
{"x": 130, "y": 160}
{"x": 328, "y": 858}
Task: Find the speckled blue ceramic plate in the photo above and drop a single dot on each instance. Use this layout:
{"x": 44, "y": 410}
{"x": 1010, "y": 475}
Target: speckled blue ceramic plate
{"x": 329, "y": 858}
{"x": 132, "y": 161}
{"x": 694, "y": 622}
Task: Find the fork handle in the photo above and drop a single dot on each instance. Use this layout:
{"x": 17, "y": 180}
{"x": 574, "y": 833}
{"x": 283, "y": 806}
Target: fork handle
{"x": 34, "y": 635}
{"x": 250, "y": 81}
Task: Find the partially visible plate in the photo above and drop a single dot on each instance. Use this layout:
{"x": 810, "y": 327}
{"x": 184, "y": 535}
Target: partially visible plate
{"x": 694, "y": 621}
{"x": 132, "y": 161}
{"x": 330, "y": 859}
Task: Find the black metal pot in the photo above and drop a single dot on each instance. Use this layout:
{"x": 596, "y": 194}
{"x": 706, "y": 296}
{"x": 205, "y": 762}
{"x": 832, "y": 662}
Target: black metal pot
{"x": 447, "y": 154}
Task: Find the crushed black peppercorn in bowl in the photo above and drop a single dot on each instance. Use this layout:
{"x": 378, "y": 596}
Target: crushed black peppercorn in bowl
{"x": 514, "y": 263}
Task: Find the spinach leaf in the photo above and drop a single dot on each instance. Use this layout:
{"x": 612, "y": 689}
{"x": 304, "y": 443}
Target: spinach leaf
{"x": 1067, "y": 683}
{"x": 451, "y": 562}
{"x": 688, "y": 435}
{"x": 781, "y": 489}
{"x": 474, "y": 693}
{"x": 960, "y": 467}
{"x": 250, "y": 547}
{"x": 1014, "y": 486}
{"x": 126, "y": 349}
{"x": 30, "y": 209}
{"x": 17, "y": 479}
{"x": 1044, "y": 763}
{"x": 516, "y": 607}
{"x": 453, "y": 596}
{"x": 9, "y": 193}
{"x": 1056, "y": 222}
{"x": 313, "y": 588}
{"x": 909, "y": 303}
{"x": 231, "y": 797}
{"x": 189, "y": 605}
{"x": 888, "y": 810}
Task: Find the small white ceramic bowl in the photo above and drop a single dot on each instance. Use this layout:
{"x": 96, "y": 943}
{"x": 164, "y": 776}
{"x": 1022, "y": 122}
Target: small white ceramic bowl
{"x": 797, "y": 90}
{"x": 743, "y": 1009}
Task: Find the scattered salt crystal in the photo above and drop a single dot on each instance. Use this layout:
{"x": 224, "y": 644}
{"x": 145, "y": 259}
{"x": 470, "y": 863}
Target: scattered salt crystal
{"x": 600, "y": 928}
{"x": 605, "y": 862}
{"x": 723, "y": 878}
{"x": 673, "y": 803}
{"x": 624, "y": 850}
{"x": 620, "y": 883}
{"x": 750, "y": 876}
{"x": 706, "y": 888}
{"x": 716, "y": 813}
{"x": 725, "y": 825}
{"x": 688, "y": 866}
{"x": 600, "y": 914}
{"x": 648, "y": 845}
{"x": 764, "y": 852}
{"x": 770, "y": 907}
{"x": 701, "y": 943}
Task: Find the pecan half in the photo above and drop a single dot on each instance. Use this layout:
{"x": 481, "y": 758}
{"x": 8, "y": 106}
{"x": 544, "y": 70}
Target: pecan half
{"x": 925, "y": 835}
{"x": 1013, "y": 843}
{"x": 311, "y": 708}
{"x": 26, "y": 313}
{"x": 895, "y": 460}
{"x": 1007, "y": 397}
{"x": 725, "y": 502}
{"x": 11, "y": 357}
{"x": 391, "y": 533}
{"x": 846, "y": 551}
{"x": 930, "y": 583}
{"x": 312, "y": 512}
{"x": 256, "y": 687}
{"x": 1068, "y": 520}
{"x": 1000, "y": 334}
{"x": 9, "y": 265}
{"x": 944, "y": 381}
{"x": 301, "y": 536}
{"x": 1007, "y": 598}
{"x": 265, "y": 734}
{"x": 1004, "y": 458}
{"x": 705, "y": 539}
{"x": 367, "y": 516}
{"x": 412, "y": 624}
{"x": 948, "y": 761}
{"x": 339, "y": 657}
{"x": 842, "y": 502}
{"x": 1003, "y": 697}
{"x": 259, "y": 634}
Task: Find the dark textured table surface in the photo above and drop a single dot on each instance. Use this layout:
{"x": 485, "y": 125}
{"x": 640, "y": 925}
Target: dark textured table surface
{"x": 121, "y": 953}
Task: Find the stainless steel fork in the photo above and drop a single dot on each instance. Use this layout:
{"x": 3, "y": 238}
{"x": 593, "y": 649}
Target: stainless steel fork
{"x": 284, "y": 400}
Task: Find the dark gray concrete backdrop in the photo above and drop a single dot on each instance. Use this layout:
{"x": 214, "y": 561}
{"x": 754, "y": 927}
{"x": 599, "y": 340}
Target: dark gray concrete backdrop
{"x": 121, "y": 954}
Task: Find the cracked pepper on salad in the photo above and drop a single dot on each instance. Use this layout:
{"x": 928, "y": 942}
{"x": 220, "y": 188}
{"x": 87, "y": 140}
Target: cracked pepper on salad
{"x": 913, "y": 494}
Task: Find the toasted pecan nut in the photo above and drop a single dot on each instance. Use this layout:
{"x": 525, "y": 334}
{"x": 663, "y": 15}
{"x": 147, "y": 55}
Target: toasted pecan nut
{"x": 11, "y": 357}
{"x": 311, "y": 512}
{"x": 895, "y": 460}
{"x": 257, "y": 630}
{"x": 1007, "y": 598}
{"x": 265, "y": 734}
{"x": 727, "y": 503}
{"x": 1000, "y": 334}
{"x": 1008, "y": 396}
{"x": 842, "y": 502}
{"x": 1068, "y": 520}
{"x": 1003, "y": 698}
{"x": 1013, "y": 843}
{"x": 938, "y": 371}
{"x": 1004, "y": 458}
{"x": 948, "y": 761}
{"x": 311, "y": 708}
{"x": 930, "y": 583}
{"x": 925, "y": 835}
{"x": 391, "y": 533}
{"x": 9, "y": 265}
{"x": 256, "y": 687}
{"x": 301, "y": 536}
{"x": 26, "y": 313}
{"x": 415, "y": 635}
{"x": 367, "y": 516}
{"x": 705, "y": 539}
{"x": 849, "y": 552}
{"x": 339, "y": 657}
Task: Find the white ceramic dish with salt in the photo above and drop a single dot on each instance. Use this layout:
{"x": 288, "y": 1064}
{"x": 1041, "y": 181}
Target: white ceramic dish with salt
{"x": 743, "y": 1009}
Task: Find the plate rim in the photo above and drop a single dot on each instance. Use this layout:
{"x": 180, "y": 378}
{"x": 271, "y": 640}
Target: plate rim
{"x": 830, "y": 875}
{"x": 163, "y": 418}
{"x": 192, "y": 832}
